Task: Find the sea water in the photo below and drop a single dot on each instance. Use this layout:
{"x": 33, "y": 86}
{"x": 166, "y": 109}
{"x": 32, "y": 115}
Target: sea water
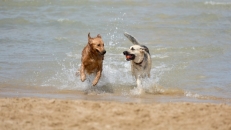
{"x": 189, "y": 41}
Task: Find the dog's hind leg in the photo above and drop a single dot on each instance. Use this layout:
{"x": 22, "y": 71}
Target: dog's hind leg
{"x": 82, "y": 73}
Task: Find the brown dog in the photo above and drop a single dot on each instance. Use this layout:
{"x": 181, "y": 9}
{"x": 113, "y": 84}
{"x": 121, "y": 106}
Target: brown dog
{"x": 92, "y": 58}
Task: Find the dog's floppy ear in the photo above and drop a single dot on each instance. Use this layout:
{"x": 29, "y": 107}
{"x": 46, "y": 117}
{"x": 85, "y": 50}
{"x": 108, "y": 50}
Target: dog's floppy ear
{"x": 144, "y": 48}
{"x": 99, "y": 36}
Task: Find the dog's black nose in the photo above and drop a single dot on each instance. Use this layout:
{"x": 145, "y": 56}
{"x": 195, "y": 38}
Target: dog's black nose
{"x": 125, "y": 52}
{"x": 104, "y": 52}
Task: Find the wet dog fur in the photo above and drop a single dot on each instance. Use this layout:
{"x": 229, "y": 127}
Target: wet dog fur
{"x": 92, "y": 58}
{"x": 140, "y": 60}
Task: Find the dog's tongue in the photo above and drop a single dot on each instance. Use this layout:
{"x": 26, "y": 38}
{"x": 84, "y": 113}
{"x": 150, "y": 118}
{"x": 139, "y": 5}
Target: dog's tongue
{"x": 128, "y": 56}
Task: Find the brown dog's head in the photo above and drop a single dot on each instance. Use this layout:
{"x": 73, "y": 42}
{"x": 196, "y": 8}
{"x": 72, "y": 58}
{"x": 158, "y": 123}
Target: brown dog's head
{"x": 97, "y": 44}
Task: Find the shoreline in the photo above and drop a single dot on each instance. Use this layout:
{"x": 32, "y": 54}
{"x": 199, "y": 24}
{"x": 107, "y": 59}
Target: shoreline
{"x": 42, "y": 113}
{"x": 52, "y": 93}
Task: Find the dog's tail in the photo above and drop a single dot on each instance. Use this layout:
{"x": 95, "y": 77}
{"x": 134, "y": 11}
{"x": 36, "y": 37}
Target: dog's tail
{"x": 131, "y": 38}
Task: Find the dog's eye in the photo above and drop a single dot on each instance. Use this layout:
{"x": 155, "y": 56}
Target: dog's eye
{"x": 132, "y": 48}
{"x": 98, "y": 45}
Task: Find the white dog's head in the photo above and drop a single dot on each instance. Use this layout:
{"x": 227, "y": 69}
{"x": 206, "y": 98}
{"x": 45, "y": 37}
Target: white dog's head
{"x": 136, "y": 53}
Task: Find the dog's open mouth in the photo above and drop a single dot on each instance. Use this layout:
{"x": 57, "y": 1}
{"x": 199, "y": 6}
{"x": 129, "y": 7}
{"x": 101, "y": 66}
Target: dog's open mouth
{"x": 130, "y": 57}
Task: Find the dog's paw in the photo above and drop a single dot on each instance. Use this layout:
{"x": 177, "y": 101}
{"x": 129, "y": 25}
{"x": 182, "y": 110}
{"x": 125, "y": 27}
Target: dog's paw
{"x": 94, "y": 82}
{"x": 137, "y": 91}
{"x": 83, "y": 77}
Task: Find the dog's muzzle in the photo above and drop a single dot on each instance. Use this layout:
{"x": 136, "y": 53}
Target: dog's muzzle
{"x": 101, "y": 53}
{"x": 104, "y": 52}
{"x": 129, "y": 56}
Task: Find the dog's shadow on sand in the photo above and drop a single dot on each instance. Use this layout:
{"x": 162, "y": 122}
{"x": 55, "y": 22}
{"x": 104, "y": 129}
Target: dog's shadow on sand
{"x": 99, "y": 90}
{"x": 96, "y": 89}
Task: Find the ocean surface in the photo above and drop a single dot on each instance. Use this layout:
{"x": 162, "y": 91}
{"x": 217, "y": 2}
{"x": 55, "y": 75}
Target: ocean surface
{"x": 190, "y": 44}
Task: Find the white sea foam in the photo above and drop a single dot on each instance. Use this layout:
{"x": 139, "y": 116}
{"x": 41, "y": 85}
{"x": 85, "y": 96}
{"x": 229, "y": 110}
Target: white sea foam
{"x": 217, "y": 3}
{"x": 63, "y": 20}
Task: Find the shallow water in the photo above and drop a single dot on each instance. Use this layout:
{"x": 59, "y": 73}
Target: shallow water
{"x": 189, "y": 42}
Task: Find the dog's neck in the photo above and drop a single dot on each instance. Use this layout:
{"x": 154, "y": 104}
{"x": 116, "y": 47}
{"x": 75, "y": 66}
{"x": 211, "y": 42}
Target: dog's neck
{"x": 139, "y": 63}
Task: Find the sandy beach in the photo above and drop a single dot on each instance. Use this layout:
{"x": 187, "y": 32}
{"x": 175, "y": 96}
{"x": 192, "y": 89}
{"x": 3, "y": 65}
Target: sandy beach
{"x": 64, "y": 114}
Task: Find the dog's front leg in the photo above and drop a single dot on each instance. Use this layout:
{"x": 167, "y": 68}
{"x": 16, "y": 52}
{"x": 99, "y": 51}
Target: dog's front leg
{"x": 82, "y": 73}
{"x": 139, "y": 85}
{"x": 139, "y": 82}
{"x": 97, "y": 77}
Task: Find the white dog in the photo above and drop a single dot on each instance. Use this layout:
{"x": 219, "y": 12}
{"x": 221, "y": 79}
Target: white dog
{"x": 140, "y": 60}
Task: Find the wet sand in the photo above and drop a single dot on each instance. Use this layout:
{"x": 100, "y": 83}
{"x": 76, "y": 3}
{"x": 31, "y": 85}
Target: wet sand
{"x": 43, "y": 113}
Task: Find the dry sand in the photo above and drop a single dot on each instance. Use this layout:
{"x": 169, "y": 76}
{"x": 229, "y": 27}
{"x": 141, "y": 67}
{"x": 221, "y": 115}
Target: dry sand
{"x": 38, "y": 113}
